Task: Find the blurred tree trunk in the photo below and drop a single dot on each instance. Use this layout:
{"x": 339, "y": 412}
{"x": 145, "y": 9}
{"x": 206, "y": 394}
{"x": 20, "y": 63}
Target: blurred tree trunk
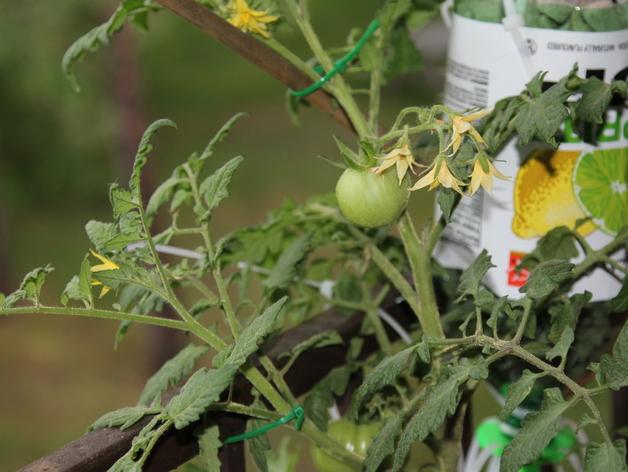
{"x": 126, "y": 91}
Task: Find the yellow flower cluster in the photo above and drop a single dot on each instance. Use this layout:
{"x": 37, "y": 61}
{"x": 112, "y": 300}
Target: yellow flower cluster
{"x": 106, "y": 265}
{"x": 249, "y": 20}
{"x": 439, "y": 173}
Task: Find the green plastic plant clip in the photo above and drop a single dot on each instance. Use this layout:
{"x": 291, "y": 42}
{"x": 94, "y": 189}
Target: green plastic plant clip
{"x": 297, "y": 413}
{"x": 340, "y": 65}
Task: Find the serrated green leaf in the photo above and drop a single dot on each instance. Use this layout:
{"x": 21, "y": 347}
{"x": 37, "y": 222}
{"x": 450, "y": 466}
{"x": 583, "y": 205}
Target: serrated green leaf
{"x": 258, "y": 446}
{"x": 30, "y": 288}
{"x": 79, "y": 287}
{"x": 286, "y": 268}
{"x": 123, "y": 418}
{"x": 619, "y": 304}
{"x": 90, "y": 42}
{"x": 198, "y": 393}
{"x": 252, "y": 336}
{"x": 614, "y": 369}
{"x": 99, "y": 233}
{"x": 121, "y": 200}
{"x": 541, "y": 115}
{"x": 222, "y": 133}
{"x": 537, "y": 430}
{"x": 2, "y": 300}
{"x": 125, "y": 464}
{"x": 562, "y": 346}
{"x": 171, "y": 373}
{"x": 130, "y": 274}
{"x": 471, "y": 278}
{"x": 133, "y": 10}
{"x": 547, "y": 277}
{"x": 214, "y": 188}
{"x": 606, "y": 457}
{"x": 518, "y": 391}
{"x": 326, "y": 338}
{"x": 321, "y": 397}
{"x": 385, "y": 373}
{"x": 559, "y": 243}
{"x": 141, "y": 157}
{"x": 209, "y": 444}
{"x": 596, "y": 95}
{"x": 566, "y": 314}
{"x": 163, "y": 194}
{"x": 403, "y": 56}
{"x": 384, "y": 443}
{"x": 447, "y": 201}
{"x": 439, "y": 401}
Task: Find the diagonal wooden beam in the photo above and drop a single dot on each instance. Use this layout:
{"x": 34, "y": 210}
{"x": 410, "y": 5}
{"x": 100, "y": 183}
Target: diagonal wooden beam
{"x": 256, "y": 52}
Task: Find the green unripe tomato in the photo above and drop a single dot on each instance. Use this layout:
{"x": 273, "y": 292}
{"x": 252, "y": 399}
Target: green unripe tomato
{"x": 371, "y": 200}
{"x": 354, "y": 437}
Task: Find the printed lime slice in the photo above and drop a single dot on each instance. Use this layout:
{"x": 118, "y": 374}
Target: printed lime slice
{"x": 600, "y": 181}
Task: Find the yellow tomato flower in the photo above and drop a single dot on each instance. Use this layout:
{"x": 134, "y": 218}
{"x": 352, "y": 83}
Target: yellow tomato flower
{"x": 249, "y": 20}
{"x": 401, "y": 157}
{"x": 439, "y": 175}
{"x": 461, "y": 124}
{"x": 106, "y": 265}
{"x": 483, "y": 173}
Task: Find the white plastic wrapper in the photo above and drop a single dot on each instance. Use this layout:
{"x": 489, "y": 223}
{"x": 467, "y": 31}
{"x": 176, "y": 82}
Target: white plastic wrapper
{"x": 547, "y": 188}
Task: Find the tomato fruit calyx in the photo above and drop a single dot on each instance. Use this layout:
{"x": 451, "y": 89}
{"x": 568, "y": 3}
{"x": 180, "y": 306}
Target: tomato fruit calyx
{"x": 371, "y": 200}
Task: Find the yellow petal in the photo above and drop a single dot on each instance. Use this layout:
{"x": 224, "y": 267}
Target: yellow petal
{"x": 474, "y": 133}
{"x": 106, "y": 263}
{"x": 477, "y": 115}
{"x": 476, "y": 177}
{"x": 402, "y": 168}
{"x": 384, "y": 165}
{"x": 104, "y": 291}
{"x": 496, "y": 173}
{"x": 426, "y": 180}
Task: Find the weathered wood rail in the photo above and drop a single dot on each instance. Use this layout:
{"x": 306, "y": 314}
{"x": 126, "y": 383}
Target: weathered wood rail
{"x": 98, "y": 450}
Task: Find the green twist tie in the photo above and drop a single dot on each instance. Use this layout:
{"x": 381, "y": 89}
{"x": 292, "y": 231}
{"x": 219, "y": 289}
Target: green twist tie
{"x": 340, "y": 65}
{"x": 297, "y": 413}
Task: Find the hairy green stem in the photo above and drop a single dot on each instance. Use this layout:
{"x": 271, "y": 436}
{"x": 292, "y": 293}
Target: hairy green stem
{"x": 94, "y": 313}
{"x": 339, "y": 88}
{"x": 225, "y": 299}
{"x": 421, "y": 265}
{"x": 527, "y": 310}
{"x": 153, "y": 440}
{"x": 380, "y": 332}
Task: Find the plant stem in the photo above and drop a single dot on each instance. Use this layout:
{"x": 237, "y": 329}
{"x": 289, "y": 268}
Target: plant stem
{"x": 153, "y": 440}
{"x": 225, "y": 299}
{"x": 375, "y": 88}
{"x": 290, "y": 56}
{"x": 396, "y": 278}
{"x": 246, "y": 410}
{"x": 595, "y": 257}
{"x": 527, "y": 309}
{"x": 380, "y": 332}
{"x": 94, "y": 313}
{"x": 420, "y": 263}
{"x": 339, "y": 88}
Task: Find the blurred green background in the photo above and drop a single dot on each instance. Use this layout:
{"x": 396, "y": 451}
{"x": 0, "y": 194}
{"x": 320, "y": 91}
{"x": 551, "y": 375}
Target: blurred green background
{"x": 59, "y": 150}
